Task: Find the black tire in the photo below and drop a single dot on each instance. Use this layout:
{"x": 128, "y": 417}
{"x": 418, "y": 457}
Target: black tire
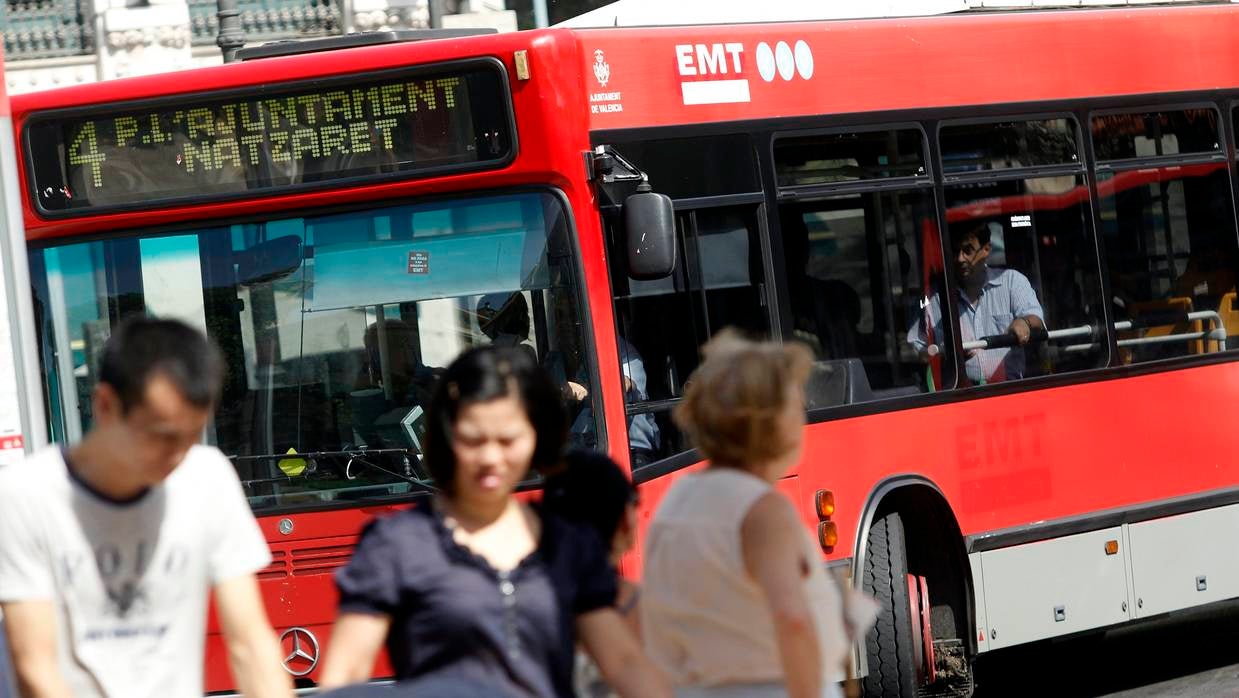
{"x": 892, "y": 669}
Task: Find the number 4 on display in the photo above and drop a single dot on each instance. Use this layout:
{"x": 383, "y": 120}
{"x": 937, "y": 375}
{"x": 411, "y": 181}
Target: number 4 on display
{"x": 85, "y": 151}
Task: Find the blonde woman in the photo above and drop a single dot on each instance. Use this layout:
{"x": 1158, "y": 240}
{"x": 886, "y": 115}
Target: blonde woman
{"x": 737, "y": 601}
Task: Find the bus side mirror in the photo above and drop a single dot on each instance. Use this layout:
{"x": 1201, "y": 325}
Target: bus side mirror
{"x": 649, "y": 234}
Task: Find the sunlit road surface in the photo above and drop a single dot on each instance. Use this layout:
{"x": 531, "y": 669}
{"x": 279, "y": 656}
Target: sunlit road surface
{"x": 1196, "y": 655}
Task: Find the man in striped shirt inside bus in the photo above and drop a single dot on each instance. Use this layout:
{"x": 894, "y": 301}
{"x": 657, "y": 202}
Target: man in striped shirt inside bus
{"x": 991, "y": 302}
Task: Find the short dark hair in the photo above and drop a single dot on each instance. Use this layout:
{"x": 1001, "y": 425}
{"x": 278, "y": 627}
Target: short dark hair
{"x": 980, "y": 232}
{"x": 488, "y": 373}
{"x": 142, "y": 347}
{"x": 591, "y": 490}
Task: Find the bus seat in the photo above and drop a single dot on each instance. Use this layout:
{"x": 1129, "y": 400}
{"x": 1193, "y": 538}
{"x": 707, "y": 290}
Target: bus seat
{"x": 837, "y": 382}
{"x": 1228, "y": 309}
{"x": 1179, "y": 304}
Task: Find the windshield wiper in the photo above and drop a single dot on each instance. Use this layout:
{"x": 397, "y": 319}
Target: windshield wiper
{"x": 355, "y": 456}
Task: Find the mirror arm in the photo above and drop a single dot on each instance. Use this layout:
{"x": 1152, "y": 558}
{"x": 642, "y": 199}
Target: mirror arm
{"x": 605, "y": 161}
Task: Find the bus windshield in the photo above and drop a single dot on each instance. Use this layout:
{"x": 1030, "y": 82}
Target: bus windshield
{"x": 334, "y": 329}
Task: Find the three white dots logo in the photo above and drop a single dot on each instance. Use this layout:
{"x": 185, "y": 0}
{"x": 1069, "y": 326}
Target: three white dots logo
{"x": 785, "y": 60}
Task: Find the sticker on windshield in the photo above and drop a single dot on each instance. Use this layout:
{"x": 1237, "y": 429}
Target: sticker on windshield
{"x": 419, "y": 262}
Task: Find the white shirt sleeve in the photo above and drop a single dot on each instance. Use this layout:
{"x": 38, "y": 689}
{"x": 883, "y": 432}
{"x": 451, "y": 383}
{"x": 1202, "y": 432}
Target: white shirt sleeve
{"x": 1023, "y": 298}
{"x": 917, "y": 336}
{"x": 239, "y": 547}
{"x": 25, "y": 562}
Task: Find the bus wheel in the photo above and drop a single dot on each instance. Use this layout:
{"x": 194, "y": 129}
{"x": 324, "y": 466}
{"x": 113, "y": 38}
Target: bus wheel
{"x": 891, "y": 645}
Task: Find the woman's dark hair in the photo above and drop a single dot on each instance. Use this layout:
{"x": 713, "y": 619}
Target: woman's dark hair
{"x": 141, "y": 348}
{"x": 591, "y": 490}
{"x": 488, "y": 373}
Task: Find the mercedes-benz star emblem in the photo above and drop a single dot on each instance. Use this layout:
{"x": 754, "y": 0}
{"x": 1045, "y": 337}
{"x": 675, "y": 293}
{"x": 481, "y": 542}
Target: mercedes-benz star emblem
{"x": 302, "y": 651}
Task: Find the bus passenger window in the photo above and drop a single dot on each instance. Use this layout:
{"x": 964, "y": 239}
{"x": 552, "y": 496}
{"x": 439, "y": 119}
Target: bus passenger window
{"x": 860, "y": 266}
{"x": 1168, "y": 231}
{"x": 855, "y": 278}
{"x": 1020, "y": 251}
{"x": 1021, "y": 255}
{"x": 662, "y": 324}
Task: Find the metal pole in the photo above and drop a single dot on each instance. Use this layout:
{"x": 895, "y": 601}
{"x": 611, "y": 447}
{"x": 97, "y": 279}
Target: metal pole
{"x": 346, "y": 16}
{"x": 540, "y": 17}
{"x": 434, "y": 10}
{"x": 231, "y": 36}
{"x": 19, "y": 308}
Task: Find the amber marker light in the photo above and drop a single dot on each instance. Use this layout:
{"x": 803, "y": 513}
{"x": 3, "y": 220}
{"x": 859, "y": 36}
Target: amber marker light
{"x": 825, "y": 504}
{"x": 521, "y": 60}
{"x": 827, "y": 534}
{"x": 1112, "y": 547}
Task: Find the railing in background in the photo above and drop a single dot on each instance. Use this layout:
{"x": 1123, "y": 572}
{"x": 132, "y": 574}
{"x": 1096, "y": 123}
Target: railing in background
{"x": 45, "y": 29}
{"x": 267, "y": 20}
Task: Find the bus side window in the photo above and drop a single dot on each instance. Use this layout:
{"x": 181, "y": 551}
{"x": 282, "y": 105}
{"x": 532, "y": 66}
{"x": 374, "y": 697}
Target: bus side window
{"x": 855, "y": 281}
{"x": 1168, "y": 231}
{"x": 861, "y": 266}
{"x": 662, "y": 324}
{"x": 1041, "y": 260}
{"x": 1020, "y": 250}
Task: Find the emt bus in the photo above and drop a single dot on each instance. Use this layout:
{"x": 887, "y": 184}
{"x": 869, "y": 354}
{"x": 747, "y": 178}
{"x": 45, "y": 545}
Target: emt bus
{"x": 343, "y": 221}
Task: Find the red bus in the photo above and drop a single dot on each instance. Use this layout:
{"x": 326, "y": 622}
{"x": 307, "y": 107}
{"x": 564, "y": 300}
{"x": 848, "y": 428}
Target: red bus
{"x": 343, "y": 222}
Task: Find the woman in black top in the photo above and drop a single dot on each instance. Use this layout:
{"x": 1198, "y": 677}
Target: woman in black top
{"x": 478, "y": 585}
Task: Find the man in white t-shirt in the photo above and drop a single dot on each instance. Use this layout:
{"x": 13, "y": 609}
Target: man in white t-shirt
{"x": 109, "y": 549}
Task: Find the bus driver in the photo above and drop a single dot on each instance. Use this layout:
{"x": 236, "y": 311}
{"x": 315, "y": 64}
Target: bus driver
{"x": 991, "y": 302}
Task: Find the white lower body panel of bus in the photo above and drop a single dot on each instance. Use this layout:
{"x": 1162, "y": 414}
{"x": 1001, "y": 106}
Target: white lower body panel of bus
{"x": 1100, "y": 578}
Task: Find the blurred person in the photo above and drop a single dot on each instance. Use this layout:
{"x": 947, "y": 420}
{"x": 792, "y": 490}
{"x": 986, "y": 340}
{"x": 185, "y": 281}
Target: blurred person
{"x": 593, "y": 490}
{"x": 7, "y": 689}
{"x": 991, "y": 302}
{"x": 109, "y": 548}
{"x": 475, "y": 584}
{"x": 736, "y": 599}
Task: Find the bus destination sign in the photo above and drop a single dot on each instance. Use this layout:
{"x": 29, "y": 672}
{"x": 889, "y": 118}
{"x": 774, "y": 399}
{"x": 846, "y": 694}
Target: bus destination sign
{"x": 212, "y": 148}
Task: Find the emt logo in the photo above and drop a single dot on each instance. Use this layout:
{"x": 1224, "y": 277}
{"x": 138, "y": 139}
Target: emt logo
{"x": 702, "y": 67}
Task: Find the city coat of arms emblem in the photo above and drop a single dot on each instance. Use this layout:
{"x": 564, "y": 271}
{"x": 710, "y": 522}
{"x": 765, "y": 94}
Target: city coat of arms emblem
{"x": 602, "y": 70}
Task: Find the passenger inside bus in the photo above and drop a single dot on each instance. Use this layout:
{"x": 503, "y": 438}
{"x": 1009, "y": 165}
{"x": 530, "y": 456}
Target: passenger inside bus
{"x": 394, "y": 362}
{"x": 505, "y": 320}
{"x": 394, "y": 389}
{"x": 644, "y": 442}
{"x": 991, "y": 302}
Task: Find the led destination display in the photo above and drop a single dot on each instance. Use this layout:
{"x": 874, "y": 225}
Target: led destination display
{"x": 419, "y": 123}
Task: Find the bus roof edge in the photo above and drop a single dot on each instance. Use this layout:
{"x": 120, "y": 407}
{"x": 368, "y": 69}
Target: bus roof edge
{"x": 295, "y": 47}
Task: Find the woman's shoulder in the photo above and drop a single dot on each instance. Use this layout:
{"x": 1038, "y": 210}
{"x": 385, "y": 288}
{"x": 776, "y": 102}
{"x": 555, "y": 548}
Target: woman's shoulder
{"x": 392, "y": 556}
{"x": 413, "y": 526}
{"x": 717, "y": 492}
{"x": 771, "y": 521}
